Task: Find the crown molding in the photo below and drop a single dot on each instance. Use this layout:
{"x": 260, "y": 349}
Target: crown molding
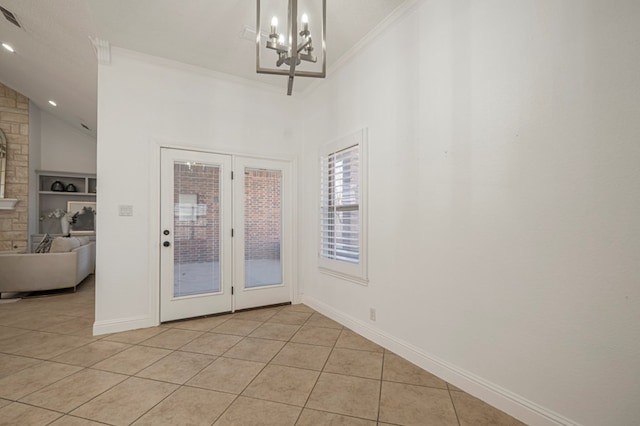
{"x": 370, "y": 37}
{"x": 102, "y": 49}
{"x": 195, "y": 69}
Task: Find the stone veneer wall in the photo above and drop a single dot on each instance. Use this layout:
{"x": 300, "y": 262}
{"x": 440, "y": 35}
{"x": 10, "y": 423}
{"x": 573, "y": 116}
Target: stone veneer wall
{"x": 14, "y": 122}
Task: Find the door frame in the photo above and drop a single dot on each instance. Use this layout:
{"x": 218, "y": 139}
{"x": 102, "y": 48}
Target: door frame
{"x": 154, "y": 232}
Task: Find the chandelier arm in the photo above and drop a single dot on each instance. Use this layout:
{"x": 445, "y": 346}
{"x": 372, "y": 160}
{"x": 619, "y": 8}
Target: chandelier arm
{"x": 302, "y": 46}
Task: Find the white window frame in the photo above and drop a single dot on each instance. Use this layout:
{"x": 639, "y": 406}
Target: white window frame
{"x": 356, "y": 272}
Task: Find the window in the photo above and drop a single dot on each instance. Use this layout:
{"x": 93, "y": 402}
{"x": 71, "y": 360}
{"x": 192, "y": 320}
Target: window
{"x": 341, "y": 205}
{"x": 342, "y": 210}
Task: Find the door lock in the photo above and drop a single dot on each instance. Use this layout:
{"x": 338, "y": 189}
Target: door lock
{"x": 166, "y": 244}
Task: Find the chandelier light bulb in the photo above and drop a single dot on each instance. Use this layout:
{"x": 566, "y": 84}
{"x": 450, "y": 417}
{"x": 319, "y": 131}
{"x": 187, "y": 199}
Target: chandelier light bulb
{"x": 281, "y": 39}
{"x": 274, "y": 25}
{"x": 305, "y": 22}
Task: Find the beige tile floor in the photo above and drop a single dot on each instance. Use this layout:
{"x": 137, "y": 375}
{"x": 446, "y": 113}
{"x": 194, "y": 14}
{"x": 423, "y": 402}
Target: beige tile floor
{"x": 278, "y": 366}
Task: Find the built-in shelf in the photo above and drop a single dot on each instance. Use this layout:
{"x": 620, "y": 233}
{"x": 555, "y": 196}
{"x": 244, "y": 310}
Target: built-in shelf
{"x": 48, "y": 200}
{"x": 65, "y": 193}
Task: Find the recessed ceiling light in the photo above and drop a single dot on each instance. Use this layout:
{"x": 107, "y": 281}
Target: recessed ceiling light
{"x": 53, "y": 103}
{"x": 8, "y": 47}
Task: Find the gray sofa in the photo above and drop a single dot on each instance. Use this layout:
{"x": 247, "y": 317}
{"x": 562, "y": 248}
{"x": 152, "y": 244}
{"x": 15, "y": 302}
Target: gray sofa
{"x": 69, "y": 261}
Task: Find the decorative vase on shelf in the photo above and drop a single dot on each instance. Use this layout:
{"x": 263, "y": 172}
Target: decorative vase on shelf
{"x": 64, "y": 224}
{"x": 57, "y": 186}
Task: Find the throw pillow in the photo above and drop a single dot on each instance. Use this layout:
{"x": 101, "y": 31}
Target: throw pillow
{"x": 64, "y": 244}
{"x": 45, "y": 244}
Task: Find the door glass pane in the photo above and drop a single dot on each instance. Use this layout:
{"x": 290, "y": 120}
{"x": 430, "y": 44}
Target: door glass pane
{"x": 263, "y": 227}
{"x": 196, "y": 227}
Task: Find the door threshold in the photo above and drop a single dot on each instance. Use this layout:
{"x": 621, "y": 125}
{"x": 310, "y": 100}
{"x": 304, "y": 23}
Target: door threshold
{"x": 226, "y": 313}
{"x": 263, "y": 307}
{"x": 198, "y": 317}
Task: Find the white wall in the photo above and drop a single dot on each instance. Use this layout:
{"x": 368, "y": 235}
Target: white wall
{"x": 504, "y": 200}
{"x": 64, "y": 147}
{"x": 145, "y": 102}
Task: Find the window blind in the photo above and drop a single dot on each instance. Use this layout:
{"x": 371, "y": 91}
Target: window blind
{"x": 340, "y": 205}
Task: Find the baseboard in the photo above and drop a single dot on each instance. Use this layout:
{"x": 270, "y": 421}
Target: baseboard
{"x": 123, "y": 324}
{"x": 509, "y": 402}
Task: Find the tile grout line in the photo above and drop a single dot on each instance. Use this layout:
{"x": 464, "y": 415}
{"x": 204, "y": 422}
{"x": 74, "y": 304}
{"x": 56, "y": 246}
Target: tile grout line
{"x": 453, "y": 404}
{"x": 380, "y": 392}
{"x": 259, "y": 372}
{"x": 319, "y": 373}
{"x": 273, "y": 357}
{"x": 179, "y": 386}
{"x": 221, "y": 356}
{"x": 96, "y": 396}
{"x": 142, "y": 378}
{"x": 90, "y": 343}
{"x": 311, "y": 317}
{"x": 77, "y": 417}
{"x": 47, "y": 332}
{"x": 68, "y": 413}
{"x": 46, "y": 386}
{"x": 129, "y": 376}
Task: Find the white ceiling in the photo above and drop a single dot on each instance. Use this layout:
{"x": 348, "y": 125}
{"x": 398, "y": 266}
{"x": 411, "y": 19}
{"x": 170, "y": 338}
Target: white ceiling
{"x": 55, "y": 59}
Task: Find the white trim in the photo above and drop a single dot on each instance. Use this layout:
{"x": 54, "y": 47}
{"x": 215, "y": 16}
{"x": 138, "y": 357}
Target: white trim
{"x": 102, "y": 49}
{"x": 188, "y": 146}
{"x": 359, "y": 272}
{"x": 503, "y": 399}
{"x": 355, "y": 50}
{"x": 293, "y": 196}
{"x": 122, "y": 324}
{"x": 197, "y": 70}
{"x": 154, "y": 225}
{"x": 343, "y": 276}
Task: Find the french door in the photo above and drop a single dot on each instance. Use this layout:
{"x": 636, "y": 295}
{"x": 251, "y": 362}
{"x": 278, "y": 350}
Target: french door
{"x": 223, "y": 233}
{"x": 262, "y": 226}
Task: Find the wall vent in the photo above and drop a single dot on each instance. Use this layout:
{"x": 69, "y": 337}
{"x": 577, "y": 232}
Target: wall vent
{"x": 10, "y": 17}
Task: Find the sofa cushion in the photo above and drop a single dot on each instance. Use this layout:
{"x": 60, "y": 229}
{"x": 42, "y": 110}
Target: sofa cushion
{"x": 83, "y": 240}
{"x": 64, "y": 244}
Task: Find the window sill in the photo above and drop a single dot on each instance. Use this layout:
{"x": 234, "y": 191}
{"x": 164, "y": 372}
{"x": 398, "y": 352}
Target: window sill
{"x": 358, "y": 280}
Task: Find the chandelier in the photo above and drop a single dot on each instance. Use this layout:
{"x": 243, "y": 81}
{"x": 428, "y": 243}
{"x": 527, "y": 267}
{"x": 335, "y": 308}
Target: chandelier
{"x": 291, "y": 52}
